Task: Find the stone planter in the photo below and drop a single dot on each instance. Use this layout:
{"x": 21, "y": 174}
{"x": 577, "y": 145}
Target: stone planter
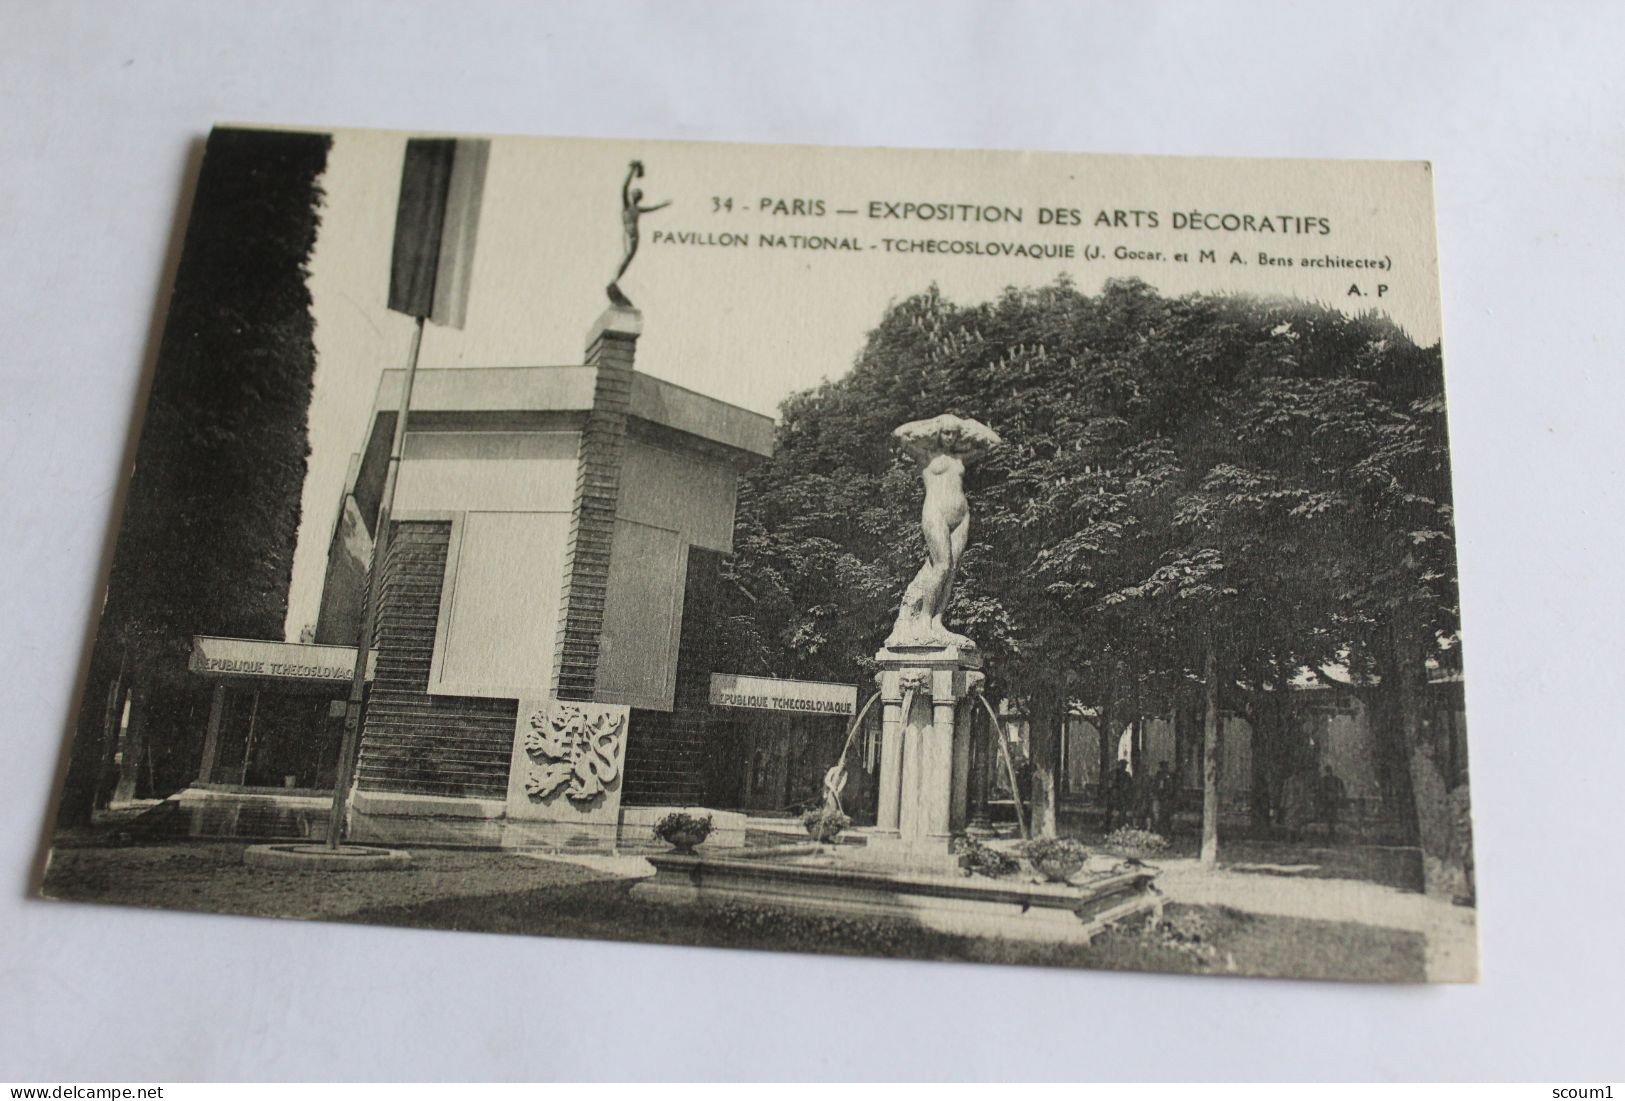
{"x": 1059, "y": 869}
{"x": 683, "y": 831}
{"x": 683, "y": 841}
{"x": 1056, "y": 860}
{"x": 824, "y": 828}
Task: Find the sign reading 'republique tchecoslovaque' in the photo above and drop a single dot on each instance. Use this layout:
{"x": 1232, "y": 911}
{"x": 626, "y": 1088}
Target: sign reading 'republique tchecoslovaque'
{"x": 244, "y": 657}
{"x": 772, "y": 694}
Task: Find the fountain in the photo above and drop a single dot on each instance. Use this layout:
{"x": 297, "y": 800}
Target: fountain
{"x": 930, "y": 686}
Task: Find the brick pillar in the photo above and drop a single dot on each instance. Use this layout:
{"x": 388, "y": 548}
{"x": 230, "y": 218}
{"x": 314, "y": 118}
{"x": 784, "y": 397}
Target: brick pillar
{"x": 414, "y": 741}
{"x": 611, "y": 347}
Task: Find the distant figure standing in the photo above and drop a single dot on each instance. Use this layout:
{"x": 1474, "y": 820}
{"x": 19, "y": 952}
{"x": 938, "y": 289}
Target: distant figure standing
{"x": 1145, "y": 805}
{"x": 1330, "y": 795}
{"x": 1164, "y": 791}
{"x": 1119, "y": 794}
{"x": 631, "y": 210}
{"x": 1296, "y": 804}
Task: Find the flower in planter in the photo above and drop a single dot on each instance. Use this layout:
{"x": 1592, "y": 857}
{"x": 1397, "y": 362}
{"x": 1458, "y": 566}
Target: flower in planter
{"x": 1057, "y": 859}
{"x": 1128, "y": 841}
{"x": 825, "y": 823}
{"x": 979, "y": 859}
{"x": 683, "y": 831}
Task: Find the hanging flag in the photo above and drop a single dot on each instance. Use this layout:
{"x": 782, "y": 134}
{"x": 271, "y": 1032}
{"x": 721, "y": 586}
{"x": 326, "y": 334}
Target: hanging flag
{"x": 436, "y": 220}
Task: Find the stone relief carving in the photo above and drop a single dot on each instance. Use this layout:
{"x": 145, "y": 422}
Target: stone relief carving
{"x": 573, "y": 746}
{"x": 942, "y": 446}
{"x": 914, "y": 680}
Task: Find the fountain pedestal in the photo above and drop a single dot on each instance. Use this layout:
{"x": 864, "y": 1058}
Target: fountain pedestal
{"x": 929, "y": 680}
{"x": 927, "y": 696}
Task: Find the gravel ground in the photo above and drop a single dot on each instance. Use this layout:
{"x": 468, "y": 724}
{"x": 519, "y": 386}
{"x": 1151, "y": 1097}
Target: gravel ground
{"x": 505, "y": 892}
{"x": 1448, "y": 931}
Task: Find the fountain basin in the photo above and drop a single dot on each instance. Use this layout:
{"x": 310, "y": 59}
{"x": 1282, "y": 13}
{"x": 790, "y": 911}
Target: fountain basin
{"x": 948, "y": 903}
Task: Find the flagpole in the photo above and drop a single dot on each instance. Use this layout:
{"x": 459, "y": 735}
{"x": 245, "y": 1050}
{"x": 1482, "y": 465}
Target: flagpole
{"x": 375, "y": 577}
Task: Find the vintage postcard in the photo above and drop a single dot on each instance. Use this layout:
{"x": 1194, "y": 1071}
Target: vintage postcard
{"x": 1022, "y": 558}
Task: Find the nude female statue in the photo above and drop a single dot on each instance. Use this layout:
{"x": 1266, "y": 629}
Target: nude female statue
{"x": 942, "y": 446}
{"x": 631, "y": 210}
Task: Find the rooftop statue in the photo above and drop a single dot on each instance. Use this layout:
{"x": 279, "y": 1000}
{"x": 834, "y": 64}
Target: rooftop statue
{"x": 942, "y": 446}
{"x": 632, "y": 209}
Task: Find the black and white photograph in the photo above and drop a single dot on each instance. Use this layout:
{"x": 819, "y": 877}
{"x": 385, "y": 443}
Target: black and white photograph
{"x": 932, "y": 555}
{"x": 945, "y": 543}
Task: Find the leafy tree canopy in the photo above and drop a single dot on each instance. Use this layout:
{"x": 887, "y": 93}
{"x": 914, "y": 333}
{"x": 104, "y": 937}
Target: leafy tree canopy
{"x": 213, "y": 509}
{"x": 1269, "y": 473}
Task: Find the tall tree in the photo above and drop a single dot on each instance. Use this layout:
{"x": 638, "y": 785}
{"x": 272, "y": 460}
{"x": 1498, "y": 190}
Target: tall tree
{"x": 1195, "y": 483}
{"x": 207, "y": 538}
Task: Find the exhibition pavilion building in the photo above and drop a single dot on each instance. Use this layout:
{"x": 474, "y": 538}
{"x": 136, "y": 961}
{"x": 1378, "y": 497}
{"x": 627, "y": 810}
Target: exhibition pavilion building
{"x": 558, "y": 534}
